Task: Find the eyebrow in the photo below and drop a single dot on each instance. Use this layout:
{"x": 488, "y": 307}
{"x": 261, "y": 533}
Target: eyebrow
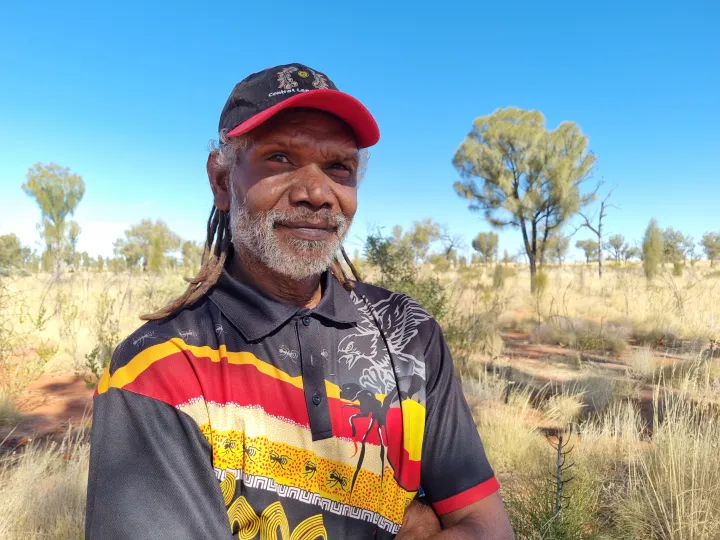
{"x": 341, "y": 155}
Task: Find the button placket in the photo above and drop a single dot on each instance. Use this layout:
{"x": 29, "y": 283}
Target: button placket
{"x": 313, "y": 374}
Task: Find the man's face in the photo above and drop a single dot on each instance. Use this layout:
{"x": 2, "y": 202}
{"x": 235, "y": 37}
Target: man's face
{"x": 292, "y": 192}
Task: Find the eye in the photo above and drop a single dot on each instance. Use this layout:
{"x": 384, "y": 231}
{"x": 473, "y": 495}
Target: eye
{"x": 279, "y": 158}
{"x": 340, "y": 170}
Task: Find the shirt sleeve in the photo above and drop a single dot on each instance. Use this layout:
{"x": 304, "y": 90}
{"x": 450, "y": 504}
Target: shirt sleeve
{"x": 151, "y": 475}
{"x": 455, "y": 471}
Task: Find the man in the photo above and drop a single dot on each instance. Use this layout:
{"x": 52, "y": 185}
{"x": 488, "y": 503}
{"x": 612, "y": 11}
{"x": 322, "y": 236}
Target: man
{"x": 278, "y": 398}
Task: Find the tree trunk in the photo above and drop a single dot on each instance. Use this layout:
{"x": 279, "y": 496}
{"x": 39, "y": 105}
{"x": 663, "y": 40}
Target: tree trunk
{"x": 533, "y": 271}
{"x": 600, "y": 247}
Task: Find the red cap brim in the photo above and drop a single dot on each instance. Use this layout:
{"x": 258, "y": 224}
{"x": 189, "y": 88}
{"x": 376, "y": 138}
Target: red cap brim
{"x": 338, "y": 103}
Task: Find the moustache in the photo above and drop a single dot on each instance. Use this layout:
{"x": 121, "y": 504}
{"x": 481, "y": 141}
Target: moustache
{"x": 324, "y": 218}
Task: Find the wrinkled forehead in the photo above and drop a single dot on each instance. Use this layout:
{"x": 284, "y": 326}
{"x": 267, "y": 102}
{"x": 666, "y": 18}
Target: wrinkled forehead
{"x": 303, "y": 127}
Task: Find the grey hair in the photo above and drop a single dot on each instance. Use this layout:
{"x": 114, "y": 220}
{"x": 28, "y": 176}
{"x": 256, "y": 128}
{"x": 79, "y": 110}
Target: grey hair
{"x": 226, "y": 149}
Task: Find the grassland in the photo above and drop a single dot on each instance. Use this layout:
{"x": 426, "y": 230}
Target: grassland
{"x": 626, "y": 372}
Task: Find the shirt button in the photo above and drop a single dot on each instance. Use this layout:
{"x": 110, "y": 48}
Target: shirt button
{"x": 306, "y": 321}
{"x": 317, "y": 398}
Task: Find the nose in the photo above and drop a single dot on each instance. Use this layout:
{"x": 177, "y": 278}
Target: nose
{"x": 312, "y": 188}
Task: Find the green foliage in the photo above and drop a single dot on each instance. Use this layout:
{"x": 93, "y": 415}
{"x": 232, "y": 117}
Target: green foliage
{"x": 618, "y": 247}
{"x": 472, "y": 329}
{"x": 57, "y": 192}
{"x": 399, "y": 271}
{"x": 582, "y": 335}
{"x": 556, "y": 248}
{"x": 9, "y": 415}
{"x": 498, "y": 281}
{"x": 100, "y": 265}
{"x": 678, "y": 268}
{"x": 191, "y": 256}
{"x": 439, "y": 262}
{"x": 589, "y": 247}
{"x": 116, "y": 264}
{"x": 676, "y": 246}
{"x": 632, "y": 253}
{"x": 486, "y": 244}
{"x": 69, "y": 251}
{"x": 148, "y": 244}
{"x": 541, "y": 282}
{"x": 106, "y": 328}
{"x": 12, "y": 253}
{"x": 519, "y": 174}
{"x": 711, "y": 245}
{"x": 652, "y": 248}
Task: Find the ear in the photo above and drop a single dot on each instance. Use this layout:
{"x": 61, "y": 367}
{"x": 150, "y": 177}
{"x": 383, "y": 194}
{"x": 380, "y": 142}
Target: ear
{"x": 219, "y": 183}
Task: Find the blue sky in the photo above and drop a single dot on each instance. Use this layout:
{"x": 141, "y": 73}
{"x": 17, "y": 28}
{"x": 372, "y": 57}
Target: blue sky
{"x": 129, "y": 95}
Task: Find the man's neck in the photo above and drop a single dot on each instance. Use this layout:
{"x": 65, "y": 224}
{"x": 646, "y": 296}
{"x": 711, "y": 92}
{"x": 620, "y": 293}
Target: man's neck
{"x": 248, "y": 269}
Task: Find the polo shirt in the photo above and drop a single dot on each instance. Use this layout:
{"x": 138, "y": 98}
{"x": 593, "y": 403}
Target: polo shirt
{"x": 243, "y": 417}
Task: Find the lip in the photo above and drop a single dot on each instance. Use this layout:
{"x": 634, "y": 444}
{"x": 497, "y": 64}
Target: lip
{"x": 307, "y": 230}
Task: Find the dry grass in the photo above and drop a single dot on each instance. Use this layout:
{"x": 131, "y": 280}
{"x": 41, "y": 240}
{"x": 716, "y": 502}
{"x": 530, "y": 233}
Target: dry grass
{"x": 634, "y": 477}
{"x": 643, "y": 364}
{"x": 673, "y": 485}
{"x": 9, "y": 415}
{"x": 43, "y": 490}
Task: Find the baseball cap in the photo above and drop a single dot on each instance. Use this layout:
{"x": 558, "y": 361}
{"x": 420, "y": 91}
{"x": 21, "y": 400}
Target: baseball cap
{"x": 262, "y": 95}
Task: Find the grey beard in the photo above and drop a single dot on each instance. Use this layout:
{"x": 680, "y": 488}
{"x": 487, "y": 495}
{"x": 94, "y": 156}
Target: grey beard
{"x": 256, "y": 233}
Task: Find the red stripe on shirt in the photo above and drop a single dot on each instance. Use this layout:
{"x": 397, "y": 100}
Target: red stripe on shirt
{"x": 467, "y": 497}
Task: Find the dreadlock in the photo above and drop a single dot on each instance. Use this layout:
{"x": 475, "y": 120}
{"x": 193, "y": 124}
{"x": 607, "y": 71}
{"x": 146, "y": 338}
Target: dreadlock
{"x": 218, "y": 246}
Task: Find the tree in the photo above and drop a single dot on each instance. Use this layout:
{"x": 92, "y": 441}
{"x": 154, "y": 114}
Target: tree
{"x": 70, "y": 247}
{"x": 589, "y": 247}
{"x": 557, "y": 247}
{"x": 486, "y": 244}
{"x": 100, "y": 263}
{"x": 192, "y": 255}
{"x": 632, "y": 253}
{"x": 57, "y": 192}
{"x": 419, "y": 239}
{"x": 676, "y": 246}
{"x": 147, "y": 243}
{"x": 711, "y": 245}
{"x": 86, "y": 260}
{"x": 652, "y": 249}
{"x": 588, "y": 223}
{"x": 12, "y": 253}
{"x": 618, "y": 247}
{"x": 397, "y": 262}
{"x": 451, "y": 243}
{"x": 524, "y": 176}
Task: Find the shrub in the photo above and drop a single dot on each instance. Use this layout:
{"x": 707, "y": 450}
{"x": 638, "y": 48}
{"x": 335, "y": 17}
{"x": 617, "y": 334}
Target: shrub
{"x": 652, "y": 248}
{"x": 400, "y": 273}
{"x": 498, "y": 280}
{"x": 541, "y": 282}
{"x": 582, "y": 335}
{"x": 643, "y": 364}
{"x": 678, "y": 268}
{"x": 106, "y": 327}
{"x": 9, "y": 415}
{"x": 473, "y": 330}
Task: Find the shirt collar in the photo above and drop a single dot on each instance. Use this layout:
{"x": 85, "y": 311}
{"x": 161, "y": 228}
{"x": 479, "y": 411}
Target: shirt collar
{"x": 256, "y": 315}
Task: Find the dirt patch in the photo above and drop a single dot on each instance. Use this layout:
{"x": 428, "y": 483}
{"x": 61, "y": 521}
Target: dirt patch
{"x": 49, "y": 406}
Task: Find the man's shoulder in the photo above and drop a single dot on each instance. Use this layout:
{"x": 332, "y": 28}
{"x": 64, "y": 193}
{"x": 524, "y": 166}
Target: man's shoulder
{"x": 155, "y": 338}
